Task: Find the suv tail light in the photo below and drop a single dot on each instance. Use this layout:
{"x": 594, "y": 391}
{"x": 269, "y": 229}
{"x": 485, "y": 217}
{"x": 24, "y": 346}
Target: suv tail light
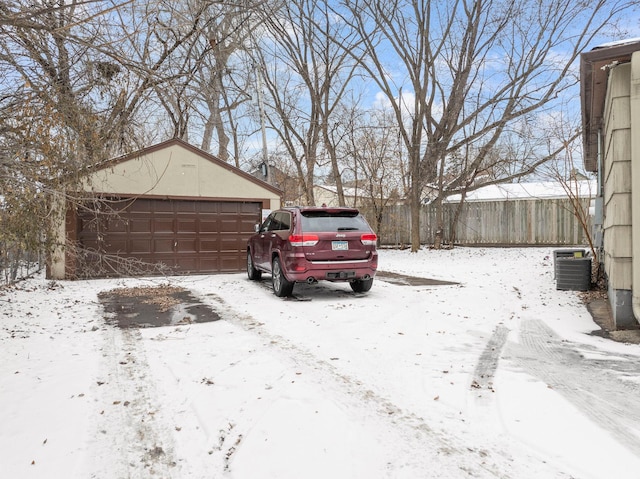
{"x": 369, "y": 239}
{"x": 303, "y": 240}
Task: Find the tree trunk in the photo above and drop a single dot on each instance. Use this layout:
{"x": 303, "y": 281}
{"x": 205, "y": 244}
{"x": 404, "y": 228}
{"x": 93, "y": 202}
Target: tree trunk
{"x": 437, "y": 238}
{"x": 456, "y": 218}
{"x": 415, "y": 216}
{"x": 335, "y": 168}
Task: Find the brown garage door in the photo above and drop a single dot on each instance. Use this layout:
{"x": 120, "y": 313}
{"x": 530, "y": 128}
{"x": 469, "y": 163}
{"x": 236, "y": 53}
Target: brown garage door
{"x": 184, "y": 236}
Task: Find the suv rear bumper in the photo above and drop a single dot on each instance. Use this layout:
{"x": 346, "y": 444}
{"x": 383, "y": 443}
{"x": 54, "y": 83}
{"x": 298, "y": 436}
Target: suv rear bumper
{"x": 297, "y": 268}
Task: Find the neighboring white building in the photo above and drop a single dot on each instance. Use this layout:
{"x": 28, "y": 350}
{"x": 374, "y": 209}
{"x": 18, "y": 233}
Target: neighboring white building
{"x": 328, "y": 195}
{"x": 533, "y": 190}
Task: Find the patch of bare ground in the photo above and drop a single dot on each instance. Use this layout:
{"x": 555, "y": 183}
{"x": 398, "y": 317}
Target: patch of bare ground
{"x": 163, "y": 297}
{"x": 597, "y": 303}
{"x": 154, "y": 306}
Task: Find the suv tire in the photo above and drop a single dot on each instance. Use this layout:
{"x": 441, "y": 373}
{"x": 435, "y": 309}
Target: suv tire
{"x": 281, "y": 287}
{"x": 252, "y": 272}
{"x": 361, "y": 285}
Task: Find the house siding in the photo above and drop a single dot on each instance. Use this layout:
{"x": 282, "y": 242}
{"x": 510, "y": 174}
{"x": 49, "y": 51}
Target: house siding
{"x": 618, "y": 256}
{"x": 177, "y": 171}
{"x": 634, "y": 142}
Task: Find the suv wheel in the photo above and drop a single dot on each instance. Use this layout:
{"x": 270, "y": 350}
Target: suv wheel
{"x": 281, "y": 286}
{"x": 361, "y": 285}
{"x": 252, "y": 272}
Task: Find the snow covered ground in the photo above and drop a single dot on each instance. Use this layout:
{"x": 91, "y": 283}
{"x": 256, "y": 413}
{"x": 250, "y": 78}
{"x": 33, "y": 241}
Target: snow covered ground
{"x": 497, "y": 376}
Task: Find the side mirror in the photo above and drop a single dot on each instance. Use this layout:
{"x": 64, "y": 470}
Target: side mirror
{"x": 256, "y": 228}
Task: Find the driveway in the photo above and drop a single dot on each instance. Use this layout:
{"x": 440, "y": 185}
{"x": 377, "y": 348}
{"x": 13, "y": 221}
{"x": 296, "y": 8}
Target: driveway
{"x": 492, "y": 373}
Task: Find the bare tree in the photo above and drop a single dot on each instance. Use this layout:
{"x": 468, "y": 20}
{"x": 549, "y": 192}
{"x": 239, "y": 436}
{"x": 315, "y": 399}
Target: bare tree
{"x": 306, "y": 75}
{"x": 371, "y": 157}
{"x": 77, "y": 80}
{"x": 474, "y": 69}
{"x": 579, "y": 186}
{"x": 225, "y": 79}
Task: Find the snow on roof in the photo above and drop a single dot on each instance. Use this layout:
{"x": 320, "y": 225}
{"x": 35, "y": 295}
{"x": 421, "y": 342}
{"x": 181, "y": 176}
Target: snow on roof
{"x": 617, "y": 43}
{"x": 523, "y": 191}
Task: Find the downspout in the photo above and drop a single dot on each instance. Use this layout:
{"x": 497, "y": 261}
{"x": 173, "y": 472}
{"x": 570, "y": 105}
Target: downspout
{"x": 600, "y": 166}
{"x": 598, "y": 230}
{"x": 635, "y": 182}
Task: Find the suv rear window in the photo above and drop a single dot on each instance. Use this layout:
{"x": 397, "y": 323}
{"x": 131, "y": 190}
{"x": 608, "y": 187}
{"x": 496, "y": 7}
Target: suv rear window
{"x": 319, "y": 221}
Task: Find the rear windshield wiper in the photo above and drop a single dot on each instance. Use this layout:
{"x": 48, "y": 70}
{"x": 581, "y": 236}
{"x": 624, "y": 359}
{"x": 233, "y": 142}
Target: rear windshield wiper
{"x": 348, "y": 228}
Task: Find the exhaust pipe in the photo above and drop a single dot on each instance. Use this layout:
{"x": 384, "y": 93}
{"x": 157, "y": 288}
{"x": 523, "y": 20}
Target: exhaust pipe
{"x": 311, "y": 280}
{"x": 366, "y": 277}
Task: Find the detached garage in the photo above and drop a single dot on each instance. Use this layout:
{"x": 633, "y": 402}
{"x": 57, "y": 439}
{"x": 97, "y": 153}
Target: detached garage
{"x": 171, "y": 209}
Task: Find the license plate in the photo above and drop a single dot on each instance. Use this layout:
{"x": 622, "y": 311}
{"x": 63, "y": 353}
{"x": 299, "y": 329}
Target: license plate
{"x": 339, "y": 245}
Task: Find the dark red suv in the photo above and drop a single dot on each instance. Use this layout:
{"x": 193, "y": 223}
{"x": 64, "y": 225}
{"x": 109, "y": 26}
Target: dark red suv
{"x": 309, "y": 244}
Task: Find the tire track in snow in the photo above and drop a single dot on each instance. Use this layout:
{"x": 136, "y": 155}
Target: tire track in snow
{"x": 442, "y": 452}
{"x": 132, "y": 439}
{"x": 488, "y": 361}
{"x": 595, "y": 387}
{"x": 482, "y": 407}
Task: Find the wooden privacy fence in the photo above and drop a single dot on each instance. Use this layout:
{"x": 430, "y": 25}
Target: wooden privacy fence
{"x": 516, "y": 222}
